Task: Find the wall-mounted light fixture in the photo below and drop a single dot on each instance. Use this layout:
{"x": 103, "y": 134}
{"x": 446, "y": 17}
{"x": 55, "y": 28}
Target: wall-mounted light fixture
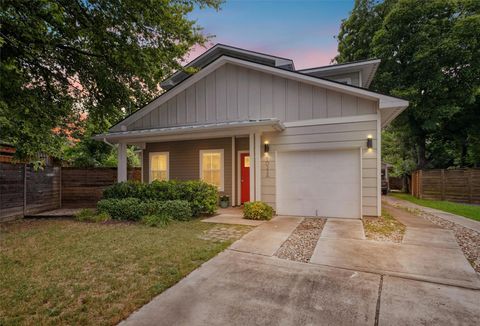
{"x": 266, "y": 146}
{"x": 369, "y": 142}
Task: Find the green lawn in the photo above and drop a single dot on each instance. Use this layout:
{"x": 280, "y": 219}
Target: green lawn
{"x": 470, "y": 211}
{"x": 67, "y": 272}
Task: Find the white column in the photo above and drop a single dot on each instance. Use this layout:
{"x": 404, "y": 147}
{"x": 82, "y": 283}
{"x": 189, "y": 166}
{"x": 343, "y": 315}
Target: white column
{"x": 122, "y": 162}
{"x": 232, "y": 200}
{"x": 251, "y": 149}
{"x": 258, "y": 166}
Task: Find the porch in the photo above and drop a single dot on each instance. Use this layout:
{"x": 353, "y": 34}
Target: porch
{"x": 238, "y": 145}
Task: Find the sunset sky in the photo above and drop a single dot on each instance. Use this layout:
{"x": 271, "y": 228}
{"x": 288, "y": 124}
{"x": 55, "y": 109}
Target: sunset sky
{"x": 303, "y": 30}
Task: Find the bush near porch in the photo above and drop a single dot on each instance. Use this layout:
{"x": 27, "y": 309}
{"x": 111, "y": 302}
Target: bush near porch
{"x": 257, "y": 210}
{"x": 201, "y": 196}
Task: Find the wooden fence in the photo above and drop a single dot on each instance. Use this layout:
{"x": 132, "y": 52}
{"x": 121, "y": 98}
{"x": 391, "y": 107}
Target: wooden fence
{"x": 83, "y": 187}
{"x": 458, "y": 185}
{"x": 24, "y": 191}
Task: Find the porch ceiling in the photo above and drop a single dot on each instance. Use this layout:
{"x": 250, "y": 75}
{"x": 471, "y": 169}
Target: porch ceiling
{"x": 211, "y": 130}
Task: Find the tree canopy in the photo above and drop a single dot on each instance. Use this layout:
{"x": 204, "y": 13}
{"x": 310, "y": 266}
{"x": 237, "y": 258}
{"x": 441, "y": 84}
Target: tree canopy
{"x": 61, "y": 58}
{"x": 429, "y": 52}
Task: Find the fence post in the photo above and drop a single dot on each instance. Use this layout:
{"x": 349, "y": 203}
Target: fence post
{"x": 420, "y": 184}
{"x": 470, "y": 185}
{"x": 442, "y": 189}
{"x": 24, "y": 189}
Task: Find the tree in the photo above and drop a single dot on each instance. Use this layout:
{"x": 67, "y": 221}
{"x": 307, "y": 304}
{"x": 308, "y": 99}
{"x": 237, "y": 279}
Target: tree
{"x": 429, "y": 52}
{"x": 104, "y": 57}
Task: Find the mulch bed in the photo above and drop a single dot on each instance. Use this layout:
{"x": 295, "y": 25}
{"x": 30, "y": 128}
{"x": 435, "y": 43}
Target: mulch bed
{"x": 301, "y": 243}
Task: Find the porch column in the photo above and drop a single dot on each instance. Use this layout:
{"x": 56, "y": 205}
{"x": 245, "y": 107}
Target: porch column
{"x": 258, "y": 166}
{"x": 233, "y": 199}
{"x": 251, "y": 149}
{"x": 122, "y": 162}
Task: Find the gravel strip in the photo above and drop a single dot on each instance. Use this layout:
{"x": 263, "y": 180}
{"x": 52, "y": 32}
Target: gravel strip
{"x": 468, "y": 239}
{"x": 300, "y": 244}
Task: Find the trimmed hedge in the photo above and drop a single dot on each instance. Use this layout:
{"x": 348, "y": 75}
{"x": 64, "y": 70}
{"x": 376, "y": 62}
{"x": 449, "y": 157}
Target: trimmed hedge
{"x": 257, "y": 210}
{"x": 133, "y": 209}
{"x": 202, "y": 197}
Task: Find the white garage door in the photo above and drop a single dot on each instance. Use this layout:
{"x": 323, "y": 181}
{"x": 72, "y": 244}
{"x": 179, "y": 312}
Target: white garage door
{"x": 319, "y": 183}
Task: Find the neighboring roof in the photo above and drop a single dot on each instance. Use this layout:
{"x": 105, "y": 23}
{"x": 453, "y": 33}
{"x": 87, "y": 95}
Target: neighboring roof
{"x": 221, "y": 49}
{"x": 366, "y": 67}
{"x": 273, "y": 124}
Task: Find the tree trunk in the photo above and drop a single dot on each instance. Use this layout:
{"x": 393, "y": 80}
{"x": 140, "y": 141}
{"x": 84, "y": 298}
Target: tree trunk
{"x": 421, "y": 154}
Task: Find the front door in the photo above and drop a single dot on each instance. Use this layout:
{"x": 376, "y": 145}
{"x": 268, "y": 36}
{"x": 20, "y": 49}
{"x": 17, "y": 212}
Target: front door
{"x": 245, "y": 177}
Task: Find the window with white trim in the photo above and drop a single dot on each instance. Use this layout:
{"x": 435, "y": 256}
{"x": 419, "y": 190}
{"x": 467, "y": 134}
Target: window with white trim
{"x": 212, "y": 167}
{"x": 159, "y": 166}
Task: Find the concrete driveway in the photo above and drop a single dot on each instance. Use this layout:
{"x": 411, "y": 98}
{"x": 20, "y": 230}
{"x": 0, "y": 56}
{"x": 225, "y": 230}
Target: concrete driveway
{"x": 247, "y": 285}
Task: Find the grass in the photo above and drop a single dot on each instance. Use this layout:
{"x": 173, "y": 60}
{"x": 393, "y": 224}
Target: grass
{"x": 383, "y": 228}
{"x": 469, "y": 211}
{"x": 64, "y": 272}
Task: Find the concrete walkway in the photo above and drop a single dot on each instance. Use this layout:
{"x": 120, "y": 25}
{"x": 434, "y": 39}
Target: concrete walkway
{"x": 238, "y": 288}
{"x": 336, "y": 228}
{"x": 349, "y": 281}
{"x": 268, "y": 237}
{"x": 463, "y": 221}
{"x": 427, "y": 252}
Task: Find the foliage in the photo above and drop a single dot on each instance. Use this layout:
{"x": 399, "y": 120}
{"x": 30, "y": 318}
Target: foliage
{"x": 89, "y": 215}
{"x": 469, "y": 211}
{"x": 257, "y": 210}
{"x": 201, "y": 196}
{"x": 121, "y": 209}
{"x": 61, "y": 59}
{"x": 158, "y": 220}
{"x": 133, "y": 209}
{"x": 383, "y": 228}
{"x": 429, "y": 52}
{"x": 92, "y": 153}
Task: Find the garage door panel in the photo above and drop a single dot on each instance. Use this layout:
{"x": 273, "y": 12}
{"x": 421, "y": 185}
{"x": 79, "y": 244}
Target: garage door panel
{"x": 323, "y": 183}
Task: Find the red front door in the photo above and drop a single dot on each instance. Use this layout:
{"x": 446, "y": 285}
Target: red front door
{"x": 245, "y": 176}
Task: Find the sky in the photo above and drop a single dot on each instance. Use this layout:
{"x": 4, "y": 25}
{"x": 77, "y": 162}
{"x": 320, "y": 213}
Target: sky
{"x": 302, "y": 30}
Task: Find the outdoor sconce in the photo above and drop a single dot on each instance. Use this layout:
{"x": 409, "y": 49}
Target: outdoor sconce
{"x": 369, "y": 142}
{"x": 266, "y": 147}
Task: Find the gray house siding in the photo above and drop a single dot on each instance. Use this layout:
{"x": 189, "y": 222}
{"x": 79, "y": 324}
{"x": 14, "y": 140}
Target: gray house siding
{"x": 184, "y": 157}
{"x": 350, "y": 135}
{"x": 236, "y": 93}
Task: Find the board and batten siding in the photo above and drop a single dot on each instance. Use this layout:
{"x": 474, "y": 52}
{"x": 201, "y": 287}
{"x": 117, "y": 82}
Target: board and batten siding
{"x": 233, "y": 93}
{"x": 352, "y": 135}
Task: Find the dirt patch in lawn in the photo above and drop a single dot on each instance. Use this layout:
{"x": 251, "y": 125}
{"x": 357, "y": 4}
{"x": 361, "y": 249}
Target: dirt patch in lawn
{"x": 301, "y": 243}
{"x": 384, "y": 228}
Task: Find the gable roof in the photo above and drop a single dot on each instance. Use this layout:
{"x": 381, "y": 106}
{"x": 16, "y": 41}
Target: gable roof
{"x": 221, "y": 49}
{"x": 368, "y": 68}
{"x": 392, "y": 106}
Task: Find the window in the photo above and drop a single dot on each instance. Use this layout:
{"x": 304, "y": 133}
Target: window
{"x": 211, "y": 167}
{"x": 159, "y": 166}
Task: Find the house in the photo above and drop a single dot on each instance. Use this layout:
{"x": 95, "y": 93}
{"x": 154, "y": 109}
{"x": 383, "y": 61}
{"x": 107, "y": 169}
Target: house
{"x": 307, "y": 142}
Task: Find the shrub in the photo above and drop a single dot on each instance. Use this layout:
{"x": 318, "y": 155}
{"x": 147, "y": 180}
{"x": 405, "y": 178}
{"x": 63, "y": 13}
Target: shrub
{"x": 201, "y": 196}
{"x": 89, "y": 215}
{"x": 134, "y": 209}
{"x": 121, "y": 209}
{"x": 176, "y": 209}
{"x": 85, "y": 214}
{"x": 257, "y": 210}
{"x": 157, "y": 220}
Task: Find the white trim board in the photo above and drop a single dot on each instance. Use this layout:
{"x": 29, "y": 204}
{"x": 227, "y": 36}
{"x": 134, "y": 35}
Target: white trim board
{"x": 329, "y": 121}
